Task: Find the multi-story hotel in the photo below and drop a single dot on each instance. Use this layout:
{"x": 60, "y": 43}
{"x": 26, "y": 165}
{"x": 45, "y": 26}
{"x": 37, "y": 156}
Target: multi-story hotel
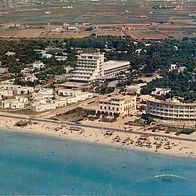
{"x": 171, "y": 110}
{"x": 91, "y": 66}
{"x": 88, "y": 68}
{"x": 122, "y": 105}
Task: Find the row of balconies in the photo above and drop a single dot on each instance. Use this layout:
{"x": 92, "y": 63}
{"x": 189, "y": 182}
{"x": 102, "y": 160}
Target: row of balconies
{"x": 173, "y": 107}
{"x": 169, "y": 115}
{"x": 167, "y": 109}
{"x": 86, "y": 63}
{"x": 84, "y": 69}
{"x": 182, "y": 113}
{"x": 109, "y": 103}
{"x": 169, "y": 112}
{"x": 109, "y": 108}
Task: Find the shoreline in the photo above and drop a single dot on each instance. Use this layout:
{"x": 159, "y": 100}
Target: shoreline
{"x": 25, "y": 132}
{"x": 97, "y": 137}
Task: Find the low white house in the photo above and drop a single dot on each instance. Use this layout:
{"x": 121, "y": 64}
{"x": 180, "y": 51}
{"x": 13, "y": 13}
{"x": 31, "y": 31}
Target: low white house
{"x": 30, "y": 77}
{"x": 72, "y": 100}
{"x": 75, "y": 93}
{"x": 81, "y": 96}
{"x": 40, "y": 96}
{"x": 5, "y": 104}
{"x": 17, "y": 105}
{"x": 22, "y": 99}
{"x": 6, "y": 93}
{"x": 60, "y": 102}
{"x": 72, "y": 29}
{"x": 161, "y": 91}
{"x": 38, "y": 65}
{"x": 61, "y": 58}
{"x": 22, "y": 90}
{"x": 66, "y": 92}
{"x": 173, "y": 67}
{"x": 46, "y": 91}
{"x": 42, "y": 107}
{"x": 12, "y": 104}
{"x": 9, "y": 53}
{"x": 45, "y": 55}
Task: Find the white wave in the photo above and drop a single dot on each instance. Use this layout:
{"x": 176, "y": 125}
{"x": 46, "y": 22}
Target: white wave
{"x": 169, "y": 175}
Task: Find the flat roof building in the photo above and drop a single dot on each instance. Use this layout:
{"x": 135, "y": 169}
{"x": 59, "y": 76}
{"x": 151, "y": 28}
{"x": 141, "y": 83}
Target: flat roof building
{"x": 171, "y": 109}
{"x": 121, "y": 105}
{"x": 113, "y": 68}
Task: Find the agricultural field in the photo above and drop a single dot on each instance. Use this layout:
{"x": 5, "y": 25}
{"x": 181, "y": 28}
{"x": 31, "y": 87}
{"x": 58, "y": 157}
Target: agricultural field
{"x": 149, "y": 18}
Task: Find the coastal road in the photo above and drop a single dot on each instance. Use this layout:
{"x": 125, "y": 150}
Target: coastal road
{"x": 101, "y": 128}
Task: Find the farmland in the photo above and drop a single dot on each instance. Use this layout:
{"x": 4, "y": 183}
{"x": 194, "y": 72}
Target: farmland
{"x": 136, "y": 18}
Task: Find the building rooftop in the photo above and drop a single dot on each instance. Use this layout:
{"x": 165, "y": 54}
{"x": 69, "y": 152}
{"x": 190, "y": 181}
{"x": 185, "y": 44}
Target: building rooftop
{"x": 170, "y": 102}
{"x": 114, "y": 64}
{"x": 90, "y": 54}
{"x": 118, "y": 98}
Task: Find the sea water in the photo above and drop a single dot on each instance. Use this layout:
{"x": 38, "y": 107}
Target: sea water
{"x": 33, "y": 164}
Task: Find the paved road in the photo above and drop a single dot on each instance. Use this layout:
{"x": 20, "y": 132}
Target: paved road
{"x": 101, "y": 128}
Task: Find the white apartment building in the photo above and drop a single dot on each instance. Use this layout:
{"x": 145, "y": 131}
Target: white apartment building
{"x": 122, "y": 105}
{"x": 113, "y": 68}
{"x": 88, "y": 68}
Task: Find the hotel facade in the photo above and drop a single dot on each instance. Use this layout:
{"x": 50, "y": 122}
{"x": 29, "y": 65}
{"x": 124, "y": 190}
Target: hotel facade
{"x": 121, "y": 105}
{"x": 171, "y": 110}
{"x": 88, "y": 68}
{"x": 91, "y": 66}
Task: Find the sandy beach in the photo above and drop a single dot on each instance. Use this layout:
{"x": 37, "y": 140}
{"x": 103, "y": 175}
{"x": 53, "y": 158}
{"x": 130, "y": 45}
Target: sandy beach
{"x": 130, "y": 140}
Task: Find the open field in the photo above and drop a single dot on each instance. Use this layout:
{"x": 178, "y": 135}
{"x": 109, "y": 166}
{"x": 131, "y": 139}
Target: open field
{"x": 35, "y": 19}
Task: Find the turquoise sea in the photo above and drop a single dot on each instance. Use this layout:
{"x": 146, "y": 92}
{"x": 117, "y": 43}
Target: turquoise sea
{"x": 32, "y": 164}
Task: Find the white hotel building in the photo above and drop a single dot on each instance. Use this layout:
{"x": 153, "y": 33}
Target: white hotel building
{"x": 88, "y": 68}
{"x": 113, "y": 68}
{"x": 171, "y": 110}
{"x": 92, "y": 66}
